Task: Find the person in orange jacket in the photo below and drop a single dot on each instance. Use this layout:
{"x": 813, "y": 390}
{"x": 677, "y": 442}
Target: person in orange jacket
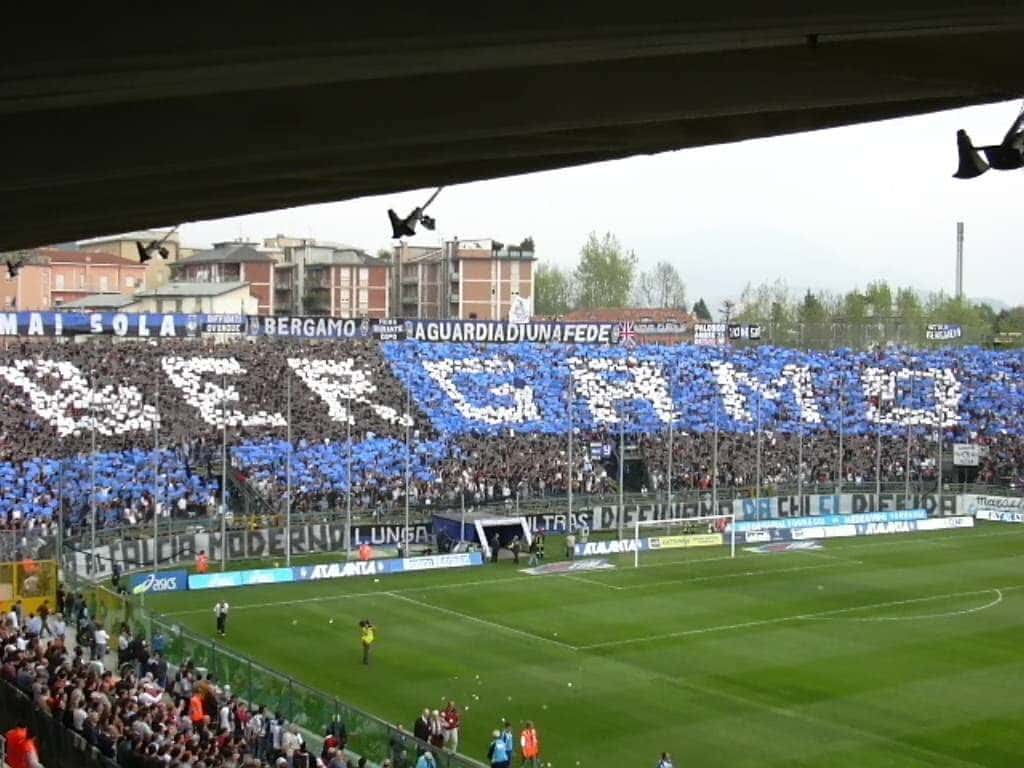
{"x": 21, "y": 748}
{"x": 202, "y": 561}
{"x": 529, "y": 745}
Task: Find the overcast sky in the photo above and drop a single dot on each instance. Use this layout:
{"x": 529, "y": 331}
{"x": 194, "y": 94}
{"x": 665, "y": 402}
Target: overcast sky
{"x": 830, "y": 209}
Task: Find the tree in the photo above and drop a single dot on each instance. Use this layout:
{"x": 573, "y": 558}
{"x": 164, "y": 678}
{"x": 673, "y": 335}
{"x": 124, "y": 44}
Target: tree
{"x": 605, "y": 274}
{"x": 384, "y": 253}
{"x": 552, "y": 291}
{"x": 670, "y": 290}
{"x": 728, "y": 307}
{"x": 527, "y": 244}
{"x": 644, "y": 290}
{"x": 700, "y": 311}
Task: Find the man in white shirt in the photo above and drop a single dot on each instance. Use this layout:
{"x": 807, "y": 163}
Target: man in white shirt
{"x": 101, "y": 640}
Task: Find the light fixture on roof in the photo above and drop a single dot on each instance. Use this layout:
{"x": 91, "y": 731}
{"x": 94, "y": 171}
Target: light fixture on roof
{"x": 407, "y": 227}
{"x": 13, "y": 266}
{"x": 1008, "y": 155}
{"x": 156, "y": 246}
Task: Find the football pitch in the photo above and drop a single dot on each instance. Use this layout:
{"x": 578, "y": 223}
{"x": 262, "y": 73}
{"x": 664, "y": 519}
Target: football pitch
{"x": 904, "y": 650}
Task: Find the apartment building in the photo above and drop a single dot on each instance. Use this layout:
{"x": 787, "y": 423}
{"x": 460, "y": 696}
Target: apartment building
{"x": 331, "y": 279}
{"x": 234, "y": 263}
{"x": 50, "y": 278}
{"x": 471, "y": 279}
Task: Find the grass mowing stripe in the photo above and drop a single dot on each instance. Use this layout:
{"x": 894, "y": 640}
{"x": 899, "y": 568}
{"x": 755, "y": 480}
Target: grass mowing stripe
{"x": 795, "y": 617}
{"x": 478, "y": 620}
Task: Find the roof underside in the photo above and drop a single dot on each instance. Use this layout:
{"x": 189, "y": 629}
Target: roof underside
{"x": 155, "y": 116}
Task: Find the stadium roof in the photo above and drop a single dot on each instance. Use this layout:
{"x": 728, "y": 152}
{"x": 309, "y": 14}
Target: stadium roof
{"x": 100, "y": 301}
{"x": 97, "y": 258}
{"x": 155, "y": 115}
{"x": 228, "y": 253}
{"x": 193, "y": 289}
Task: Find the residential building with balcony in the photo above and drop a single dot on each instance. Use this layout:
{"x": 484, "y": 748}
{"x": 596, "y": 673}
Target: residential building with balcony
{"x": 463, "y": 279}
{"x": 233, "y": 263}
{"x": 158, "y": 269}
{"x": 50, "y": 278}
{"x": 330, "y": 279}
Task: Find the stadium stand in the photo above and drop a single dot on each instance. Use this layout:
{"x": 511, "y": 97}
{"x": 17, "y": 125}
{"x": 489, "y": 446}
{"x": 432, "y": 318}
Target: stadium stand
{"x": 489, "y": 420}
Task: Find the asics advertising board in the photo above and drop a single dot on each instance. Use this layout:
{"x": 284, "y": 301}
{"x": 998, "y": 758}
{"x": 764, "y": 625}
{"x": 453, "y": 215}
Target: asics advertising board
{"x": 167, "y": 581}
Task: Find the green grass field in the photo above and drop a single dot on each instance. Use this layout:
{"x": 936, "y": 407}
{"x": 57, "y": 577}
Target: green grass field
{"x": 902, "y": 650}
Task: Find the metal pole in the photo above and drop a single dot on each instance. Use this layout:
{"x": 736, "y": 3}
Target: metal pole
{"x": 622, "y": 470}
{"x": 910, "y": 435}
{"x": 156, "y": 480}
{"x": 92, "y": 474}
{"x": 714, "y": 468}
{"x": 568, "y": 405}
{"x": 671, "y": 431}
{"x": 223, "y": 473}
{"x": 878, "y": 465}
{"x": 757, "y": 487}
{"x": 842, "y": 414}
{"x": 408, "y": 419}
{"x": 462, "y": 508}
{"x": 800, "y": 471}
{"x": 288, "y": 476}
{"x": 348, "y": 472}
{"x": 938, "y": 439}
{"x": 60, "y": 515}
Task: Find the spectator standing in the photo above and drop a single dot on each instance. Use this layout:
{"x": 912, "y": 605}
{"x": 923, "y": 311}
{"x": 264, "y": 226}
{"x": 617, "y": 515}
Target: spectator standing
{"x": 220, "y": 610}
{"x": 570, "y": 545}
{"x": 21, "y": 748}
{"x": 421, "y": 728}
{"x": 436, "y": 730}
{"x": 101, "y": 639}
{"x": 529, "y": 744}
{"x": 497, "y": 753}
{"x": 452, "y": 723}
{"x": 509, "y": 740}
{"x": 426, "y": 760}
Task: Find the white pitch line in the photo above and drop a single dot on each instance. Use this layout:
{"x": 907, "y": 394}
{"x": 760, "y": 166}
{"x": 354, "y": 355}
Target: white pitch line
{"x": 785, "y": 619}
{"x": 478, "y": 620}
{"x": 593, "y": 582}
{"x": 946, "y": 615}
{"x": 736, "y": 575}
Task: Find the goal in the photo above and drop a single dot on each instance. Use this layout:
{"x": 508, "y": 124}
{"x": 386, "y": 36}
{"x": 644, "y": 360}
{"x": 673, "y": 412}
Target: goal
{"x": 684, "y": 534}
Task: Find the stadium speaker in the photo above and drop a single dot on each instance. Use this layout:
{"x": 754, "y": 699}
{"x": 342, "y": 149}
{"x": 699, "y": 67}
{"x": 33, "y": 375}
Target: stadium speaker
{"x": 403, "y": 227}
{"x": 971, "y": 163}
{"x": 1005, "y": 157}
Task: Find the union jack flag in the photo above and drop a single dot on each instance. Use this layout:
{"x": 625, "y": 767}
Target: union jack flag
{"x": 627, "y": 334}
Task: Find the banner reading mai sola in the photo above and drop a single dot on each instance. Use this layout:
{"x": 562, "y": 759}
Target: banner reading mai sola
{"x": 127, "y": 324}
{"x": 498, "y": 332}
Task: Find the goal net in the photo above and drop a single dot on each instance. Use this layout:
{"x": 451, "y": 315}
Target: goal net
{"x": 678, "y": 537}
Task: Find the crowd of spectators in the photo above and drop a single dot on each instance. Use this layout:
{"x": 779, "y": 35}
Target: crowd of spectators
{"x": 487, "y": 424}
{"x": 133, "y": 709}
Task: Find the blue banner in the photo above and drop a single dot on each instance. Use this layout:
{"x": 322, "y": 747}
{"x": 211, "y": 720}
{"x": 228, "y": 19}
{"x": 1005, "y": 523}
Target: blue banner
{"x": 240, "y": 578}
{"x": 826, "y": 520}
{"x": 165, "y": 581}
{"x": 332, "y": 571}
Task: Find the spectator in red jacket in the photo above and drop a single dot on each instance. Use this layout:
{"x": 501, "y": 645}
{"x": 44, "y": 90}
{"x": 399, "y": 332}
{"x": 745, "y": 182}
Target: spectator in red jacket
{"x": 452, "y": 722}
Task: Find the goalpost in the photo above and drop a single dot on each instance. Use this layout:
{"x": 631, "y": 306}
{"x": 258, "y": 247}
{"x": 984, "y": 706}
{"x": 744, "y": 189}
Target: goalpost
{"x": 683, "y": 534}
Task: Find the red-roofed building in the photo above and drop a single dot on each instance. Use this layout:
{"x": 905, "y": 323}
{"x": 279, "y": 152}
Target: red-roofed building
{"x": 51, "y": 277}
